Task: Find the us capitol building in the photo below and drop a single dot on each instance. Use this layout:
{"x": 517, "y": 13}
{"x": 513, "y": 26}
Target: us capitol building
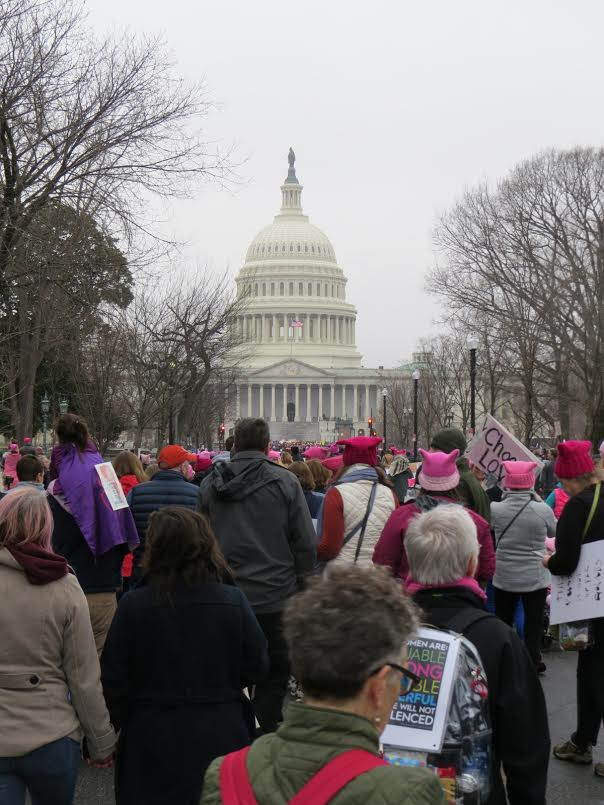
{"x": 303, "y": 373}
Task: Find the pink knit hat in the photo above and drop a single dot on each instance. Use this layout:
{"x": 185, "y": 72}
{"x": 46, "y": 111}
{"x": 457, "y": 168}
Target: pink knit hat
{"x": 574, "y": 459}
{"x": 439, "y": 471}
{"x": 519, "y": 474}
{"x": 333, "y": 463}
{"x": 273, "y": 455}
{"x": 316, "y": 452}
{"x": 360, "y": 450}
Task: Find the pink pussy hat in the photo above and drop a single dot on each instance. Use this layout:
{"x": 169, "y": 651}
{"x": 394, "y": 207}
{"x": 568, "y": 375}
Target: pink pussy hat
{"x": 316, "y": 452}
{"x": 439, "y": 471}
{"x": 519, "y": 474}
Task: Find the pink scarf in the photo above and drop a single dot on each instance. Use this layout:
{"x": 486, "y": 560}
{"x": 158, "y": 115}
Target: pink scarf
{"x": 467, "y": 583}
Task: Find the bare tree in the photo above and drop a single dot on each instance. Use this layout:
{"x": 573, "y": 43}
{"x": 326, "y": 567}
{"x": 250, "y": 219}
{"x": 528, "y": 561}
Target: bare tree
{"x": 399, "y": 411}
{"x": 530, "y": 256}
{"x": 97, "y": 375}
{"x": 96, "y": 127}
{"x": 182, "y": 346}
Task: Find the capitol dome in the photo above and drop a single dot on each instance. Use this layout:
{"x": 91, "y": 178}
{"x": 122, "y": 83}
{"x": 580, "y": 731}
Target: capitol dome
{"x": 291, "y": 237}
{"x": 299, "y": 367}
{"x": 291, "y": 276}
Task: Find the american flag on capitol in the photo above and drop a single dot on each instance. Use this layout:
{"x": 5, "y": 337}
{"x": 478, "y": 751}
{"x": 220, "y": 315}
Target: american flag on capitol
{"x": 296, "y": 323}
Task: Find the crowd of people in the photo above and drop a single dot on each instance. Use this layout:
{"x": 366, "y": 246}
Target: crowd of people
{"x": 163, "y": 636}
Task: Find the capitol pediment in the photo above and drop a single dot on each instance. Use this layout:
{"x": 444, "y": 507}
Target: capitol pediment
{"x": 288, "y": 368}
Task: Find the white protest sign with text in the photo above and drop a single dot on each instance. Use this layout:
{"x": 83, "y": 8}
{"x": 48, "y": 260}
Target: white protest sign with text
{"x": 580, "y": 596}
{"x": 418, "y": 720}
{"x": 494, "y": 445}
{"x": 111, "y": 486}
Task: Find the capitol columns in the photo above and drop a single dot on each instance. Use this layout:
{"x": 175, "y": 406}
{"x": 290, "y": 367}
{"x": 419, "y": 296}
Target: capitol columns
{"x": 237, "y": 401}
{"x": 320, "y": 401}
{"x": 332, "y": 410}
{"x": 308, "y": 402}
{"x": 355, "y": 402}
{"x": 297, "y": 404}
{"x": 273, "y": 402}
{"x": 261, "y": 400}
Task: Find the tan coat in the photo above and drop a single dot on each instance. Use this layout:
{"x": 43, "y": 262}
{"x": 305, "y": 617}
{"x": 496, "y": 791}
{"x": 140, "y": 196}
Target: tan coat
{"x": 50, "y": 684}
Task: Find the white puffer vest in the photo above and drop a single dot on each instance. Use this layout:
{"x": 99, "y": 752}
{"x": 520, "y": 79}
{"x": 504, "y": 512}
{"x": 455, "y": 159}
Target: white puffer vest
{"x": 355, "y": 497}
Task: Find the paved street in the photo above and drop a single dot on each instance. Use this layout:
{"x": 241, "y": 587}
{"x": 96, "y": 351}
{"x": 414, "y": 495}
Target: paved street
{"x": 568, "y": 784}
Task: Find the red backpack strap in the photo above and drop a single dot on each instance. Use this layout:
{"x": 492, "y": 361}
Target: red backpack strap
{"x": 335, "y": 775}
{"x": 235, "y": 786}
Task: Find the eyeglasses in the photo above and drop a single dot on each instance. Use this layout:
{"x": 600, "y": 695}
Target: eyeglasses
{"x": 409, "y": 680}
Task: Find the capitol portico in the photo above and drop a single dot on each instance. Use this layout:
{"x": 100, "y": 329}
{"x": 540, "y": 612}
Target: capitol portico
{"x": 304, "y": 373}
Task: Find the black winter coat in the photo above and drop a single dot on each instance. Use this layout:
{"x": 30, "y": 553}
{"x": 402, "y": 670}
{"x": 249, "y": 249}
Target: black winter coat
{"x": 173, "y": 668}
{"x": 166, "y": 488}
{"x": 518, "y": 713}
{"x": 101, "y": 574}
{"x": 569, "y": 540}
{"x": 262, "y": 523}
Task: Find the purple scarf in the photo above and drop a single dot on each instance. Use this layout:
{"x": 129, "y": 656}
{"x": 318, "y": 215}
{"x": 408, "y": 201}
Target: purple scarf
{"x": 79, "y": 483}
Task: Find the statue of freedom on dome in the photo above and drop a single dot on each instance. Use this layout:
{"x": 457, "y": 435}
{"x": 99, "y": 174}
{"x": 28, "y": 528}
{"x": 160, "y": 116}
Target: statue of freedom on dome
{"x": 291, "y": 157}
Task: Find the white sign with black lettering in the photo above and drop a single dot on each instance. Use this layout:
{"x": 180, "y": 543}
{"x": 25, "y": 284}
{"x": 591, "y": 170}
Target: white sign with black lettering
{"x": 418, "y": 719}
{"x": 494, "y": 445}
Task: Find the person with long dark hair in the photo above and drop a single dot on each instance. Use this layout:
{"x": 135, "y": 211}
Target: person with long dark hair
{"x": 181, "y": 648}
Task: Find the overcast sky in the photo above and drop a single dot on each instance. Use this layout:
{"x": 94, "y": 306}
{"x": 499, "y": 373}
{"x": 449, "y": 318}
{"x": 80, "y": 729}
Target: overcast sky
{"x": 392, "y": 107}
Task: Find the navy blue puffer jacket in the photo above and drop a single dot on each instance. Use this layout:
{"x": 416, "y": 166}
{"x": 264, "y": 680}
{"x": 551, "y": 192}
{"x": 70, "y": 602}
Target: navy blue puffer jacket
{"x": 166, "y": 488}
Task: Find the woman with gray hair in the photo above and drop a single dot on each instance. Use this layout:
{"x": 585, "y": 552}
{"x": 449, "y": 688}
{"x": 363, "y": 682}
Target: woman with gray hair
{"x": 347, "y": 635}
{"x": 442, "y": 550}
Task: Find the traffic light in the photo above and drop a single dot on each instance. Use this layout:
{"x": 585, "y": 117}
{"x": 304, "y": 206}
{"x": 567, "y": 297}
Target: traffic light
{"x": 370, "y": 426}
{"x": 221, "y": 429}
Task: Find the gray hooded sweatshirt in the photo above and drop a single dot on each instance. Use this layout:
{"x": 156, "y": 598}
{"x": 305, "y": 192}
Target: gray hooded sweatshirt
{"x": 261, "y": 520}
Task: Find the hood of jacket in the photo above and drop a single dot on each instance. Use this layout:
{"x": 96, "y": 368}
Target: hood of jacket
{"x": 244, "y": 474}
{"x": 40, "y": 566}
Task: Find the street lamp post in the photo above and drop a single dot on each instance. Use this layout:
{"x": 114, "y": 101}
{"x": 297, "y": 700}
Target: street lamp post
{"x": 45, "y": 406}
{"x": 472, "y": 346}
{"x": 415, "y": 377}
{"x": 63, "y": 405}
{"x": 384, "y": 396}
{"x": 449, "y": 419}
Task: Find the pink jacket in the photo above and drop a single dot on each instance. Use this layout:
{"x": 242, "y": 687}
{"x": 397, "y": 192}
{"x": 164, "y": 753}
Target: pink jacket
{"x": 10, "y": 464}
{"x": 390, "y": 550}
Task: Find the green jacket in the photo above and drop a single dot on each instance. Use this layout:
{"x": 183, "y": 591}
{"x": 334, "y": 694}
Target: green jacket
{"x": 281, "y": 763}
{"x": 471, "y": 491}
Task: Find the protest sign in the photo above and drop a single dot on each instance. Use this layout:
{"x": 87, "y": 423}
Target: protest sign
{"x": 111, "y": 486}
{"x": 494, "y": 445}
{"x": 418, "y": 720}
{"x": 580, "y": 596}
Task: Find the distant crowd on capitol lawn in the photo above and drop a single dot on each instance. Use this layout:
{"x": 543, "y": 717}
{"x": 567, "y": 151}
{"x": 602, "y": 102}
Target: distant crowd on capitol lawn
{"x": 238, "y": 632}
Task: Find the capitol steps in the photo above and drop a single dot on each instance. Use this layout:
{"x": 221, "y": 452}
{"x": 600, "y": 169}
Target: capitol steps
{"x": 301, "y": 431}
